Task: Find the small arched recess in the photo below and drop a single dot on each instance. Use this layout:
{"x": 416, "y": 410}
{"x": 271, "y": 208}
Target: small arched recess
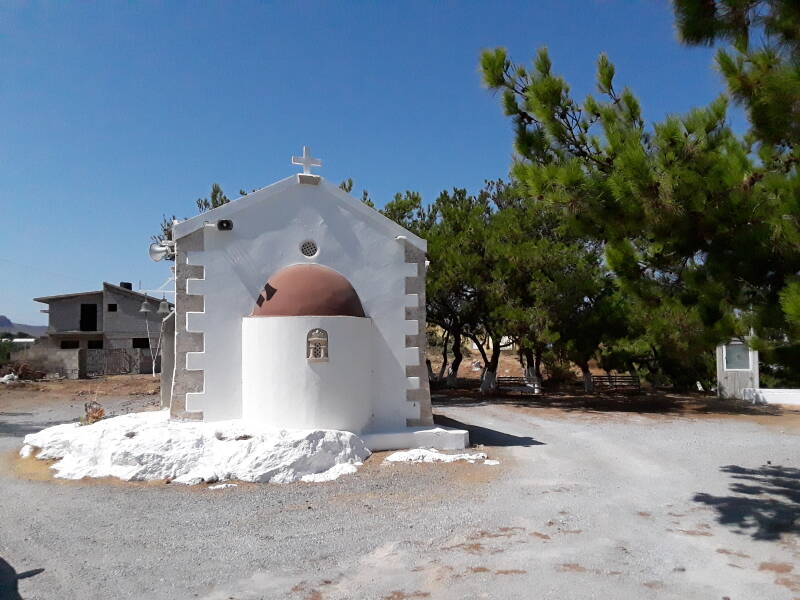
{"x": 317, "y": 345}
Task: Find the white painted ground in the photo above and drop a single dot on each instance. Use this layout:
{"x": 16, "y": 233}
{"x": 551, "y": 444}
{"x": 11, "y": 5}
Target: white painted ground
{"x": 149, "y": 446}
{"x": 433, "y": 455}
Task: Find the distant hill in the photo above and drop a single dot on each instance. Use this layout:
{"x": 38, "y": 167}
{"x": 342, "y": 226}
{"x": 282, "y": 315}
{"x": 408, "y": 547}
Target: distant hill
{"x": 7, "y": 324}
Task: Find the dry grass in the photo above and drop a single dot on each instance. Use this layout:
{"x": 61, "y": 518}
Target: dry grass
{"x": 93, "y": 412}
{"x": 112, "y": 385}
{"x": 509, "y": 364}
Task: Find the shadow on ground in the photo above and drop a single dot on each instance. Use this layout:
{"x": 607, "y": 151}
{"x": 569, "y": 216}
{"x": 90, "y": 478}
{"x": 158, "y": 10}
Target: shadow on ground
{"x": 485, "y": 436}
{"x": 23, "y": 428}
{"x": 9, "y": 580}
{"x": 20, "y": 429}
{"x": 764, "y": 503}
{"x": 658, "y": 402}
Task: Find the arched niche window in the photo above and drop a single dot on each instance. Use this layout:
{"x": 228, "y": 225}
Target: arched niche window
{"x": 317, "y": 345}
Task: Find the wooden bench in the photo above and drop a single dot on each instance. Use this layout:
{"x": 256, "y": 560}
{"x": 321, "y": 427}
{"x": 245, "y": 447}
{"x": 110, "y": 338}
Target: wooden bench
{"x": 519, "y": 382}
{"x": 616, "y": 383}
{"x": 511, "y": 381}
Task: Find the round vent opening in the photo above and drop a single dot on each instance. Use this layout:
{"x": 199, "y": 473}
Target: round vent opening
{"x": 309, "y": 248}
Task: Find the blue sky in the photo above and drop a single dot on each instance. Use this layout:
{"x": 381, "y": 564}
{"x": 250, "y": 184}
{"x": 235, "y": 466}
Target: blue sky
{"x": 112, "y": 114}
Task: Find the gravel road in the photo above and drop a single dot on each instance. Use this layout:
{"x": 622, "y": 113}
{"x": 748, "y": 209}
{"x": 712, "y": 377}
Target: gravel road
{"x": 583, "y": 505}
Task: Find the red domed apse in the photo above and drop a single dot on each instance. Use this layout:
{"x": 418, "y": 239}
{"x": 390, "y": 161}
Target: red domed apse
{"x": 308, "y": 290}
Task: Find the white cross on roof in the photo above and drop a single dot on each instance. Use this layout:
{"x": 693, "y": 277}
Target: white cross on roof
{"x": 306, "y": 161}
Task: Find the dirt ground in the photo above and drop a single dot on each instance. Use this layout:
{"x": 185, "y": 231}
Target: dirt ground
{"x": 570, "y": 400}
{"x": 114, "y": 385}
{"x": 657, "y": 496}
{"x": 509, "y": 365}
{"x": 471, "y": 365}
{"x": 655, "y": 404}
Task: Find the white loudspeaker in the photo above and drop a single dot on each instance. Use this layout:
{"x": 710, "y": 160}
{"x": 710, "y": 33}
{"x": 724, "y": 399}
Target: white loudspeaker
{"x": 159, "y": 251}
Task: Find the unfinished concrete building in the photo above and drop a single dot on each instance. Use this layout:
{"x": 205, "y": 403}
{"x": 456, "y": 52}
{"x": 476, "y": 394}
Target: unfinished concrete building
{"x": 97, "y": 332}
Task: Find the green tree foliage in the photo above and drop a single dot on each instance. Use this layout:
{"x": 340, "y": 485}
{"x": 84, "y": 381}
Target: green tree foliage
{"x": 456, "y": 290}
{"x": 217, "y": 199}
{"x": 407, "y": 210}
{"x": 550, "y": 286}
{"x": 761, "y": 67}
{"x": 665, "y": 343}
{"x": 165, "y": 230}
{"x": 685, "y": 215}
{"x": 347, "y": 186}
{"x": 504, "y": 266}
{"x": 458, "y": 283}
{"x": 6, "y": 347}
{"x": 9, "y": 335}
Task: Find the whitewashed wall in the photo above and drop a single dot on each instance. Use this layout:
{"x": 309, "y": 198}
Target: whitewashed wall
{"x": 268, "y": 227}
{"x": 281, "y": 388}
{"x": 772, "y": 396}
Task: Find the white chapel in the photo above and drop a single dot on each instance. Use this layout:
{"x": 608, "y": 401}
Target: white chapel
{"x": 299, "y": 307}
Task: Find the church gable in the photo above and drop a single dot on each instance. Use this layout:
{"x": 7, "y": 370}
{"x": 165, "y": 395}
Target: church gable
{"x": 291, "y": 190}
{"x": 299, "y": 224}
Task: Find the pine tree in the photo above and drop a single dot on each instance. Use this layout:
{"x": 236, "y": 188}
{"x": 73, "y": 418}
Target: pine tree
{"x": 456, "y": 282}
{"x": 761, "y": 68}
{"x": 686, "y": 213}
{"x": 551, "y": 288}
{"x": 217, "y": 199}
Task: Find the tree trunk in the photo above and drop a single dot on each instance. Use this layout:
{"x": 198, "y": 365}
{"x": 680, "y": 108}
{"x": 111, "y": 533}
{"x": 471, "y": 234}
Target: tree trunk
{"x": 532, "y": 373}
{"x": 452, "y": 375}
{"x": 588, "y": 386}
{"x": 444, "y": 356}
{"x": 537, "y": 361}
{"x": 489, "y": 380}
{"x": 482, "y": 350}
{"x": 431, "y": 376}
{"x": 632, "y": 369}
{"x": 529, "y": 361}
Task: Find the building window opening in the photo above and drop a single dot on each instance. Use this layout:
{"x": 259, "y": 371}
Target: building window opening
{"x": 112, "y": 308}
{"x": 95, "y": 344}
{"x": 69, "y": 344}
{"x": 737, "y": 357}
{"x": 143, "y": 343}
{"x": 317, "y": 345}
{"x": 88, "y": 320}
